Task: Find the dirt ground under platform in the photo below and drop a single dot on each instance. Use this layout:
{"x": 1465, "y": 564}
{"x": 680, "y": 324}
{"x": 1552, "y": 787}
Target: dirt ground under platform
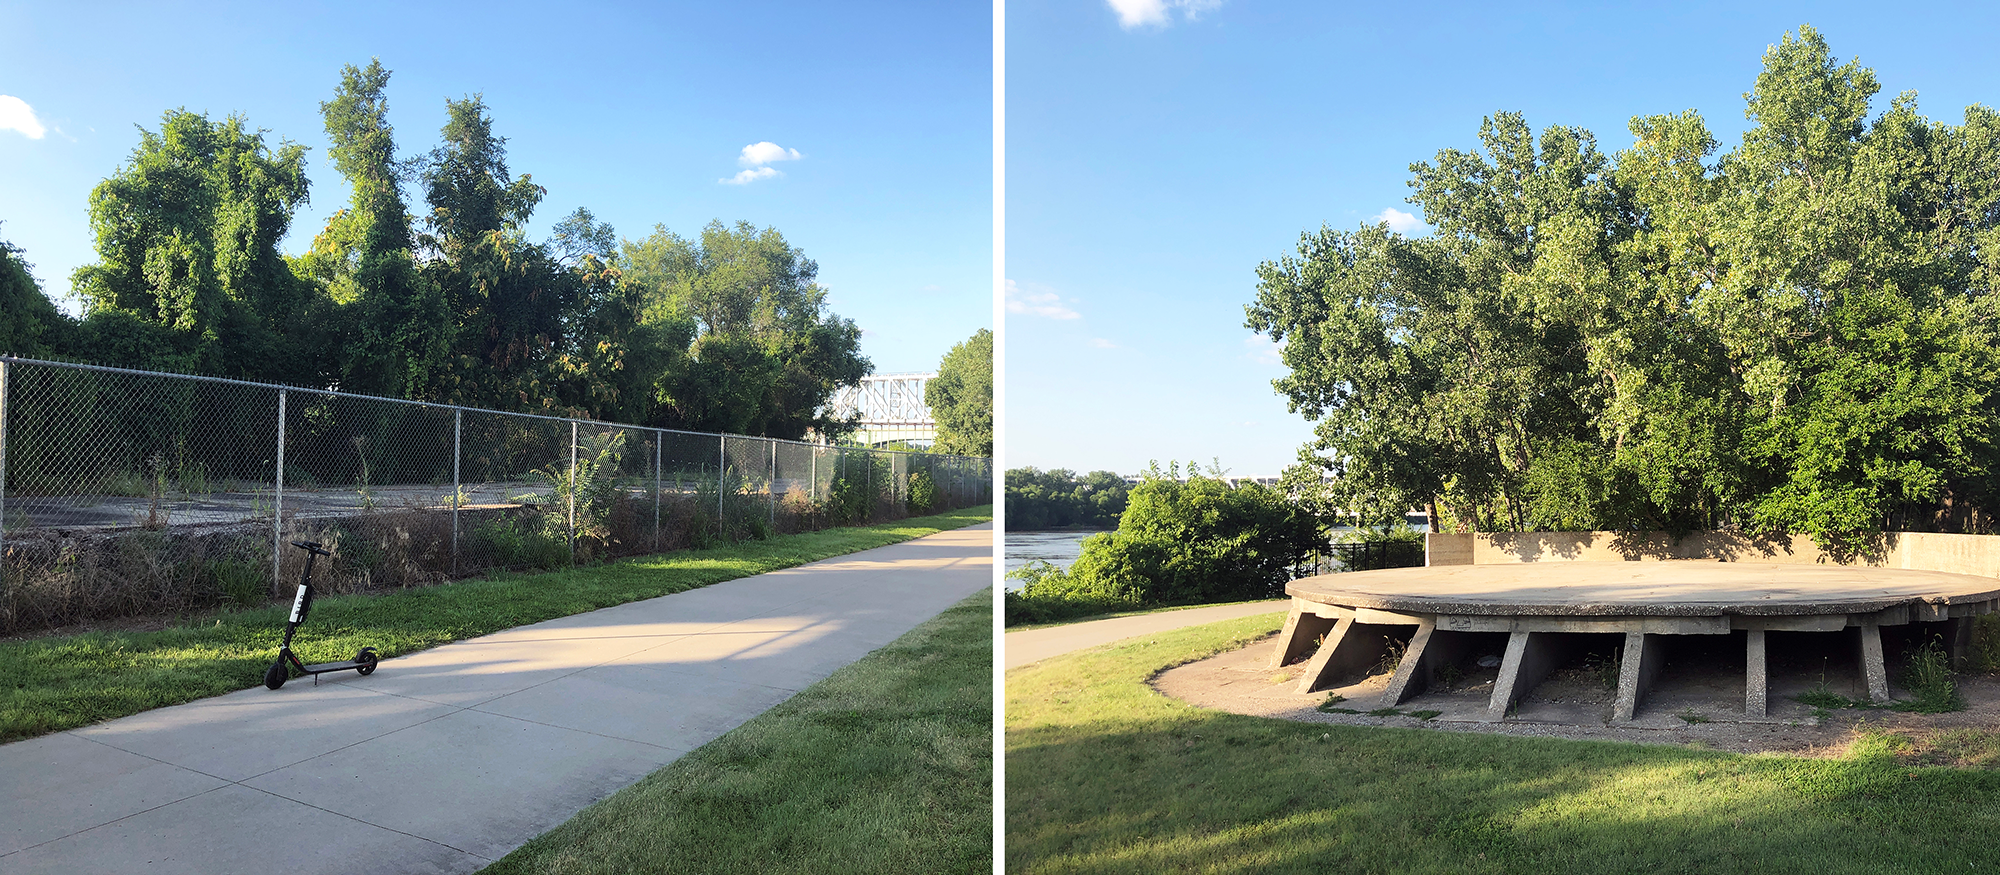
{"x": 1696, "y": 700}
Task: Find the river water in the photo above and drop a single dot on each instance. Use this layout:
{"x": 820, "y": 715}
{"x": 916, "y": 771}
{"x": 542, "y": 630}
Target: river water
{"x": 1056, "y": 548}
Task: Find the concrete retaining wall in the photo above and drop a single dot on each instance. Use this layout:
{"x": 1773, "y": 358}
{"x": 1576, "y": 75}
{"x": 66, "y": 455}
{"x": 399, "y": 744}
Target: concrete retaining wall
{"x": 1917, "y": 551}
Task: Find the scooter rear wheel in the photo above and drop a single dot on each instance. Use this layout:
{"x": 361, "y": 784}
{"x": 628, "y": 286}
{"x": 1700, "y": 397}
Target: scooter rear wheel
{"x": 367, "y": 659}
{"x": 275, "y": 676}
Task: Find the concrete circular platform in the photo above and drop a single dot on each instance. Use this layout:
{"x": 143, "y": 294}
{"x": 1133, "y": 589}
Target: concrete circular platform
{"x": 1683, "y": 588}
{"x": 1427, "y": 619}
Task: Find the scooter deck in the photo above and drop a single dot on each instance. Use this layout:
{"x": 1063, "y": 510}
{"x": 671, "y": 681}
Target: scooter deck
{"x": 320, "y": 667}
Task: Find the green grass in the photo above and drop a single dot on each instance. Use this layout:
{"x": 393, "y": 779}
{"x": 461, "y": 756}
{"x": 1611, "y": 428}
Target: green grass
{"x": 886, "y": 766}
{"x": 1106, "y": 775}
{"x": 57, "y": 683}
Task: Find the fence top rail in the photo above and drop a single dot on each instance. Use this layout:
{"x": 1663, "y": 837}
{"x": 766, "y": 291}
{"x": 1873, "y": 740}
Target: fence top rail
{"x": 8, "y": 359}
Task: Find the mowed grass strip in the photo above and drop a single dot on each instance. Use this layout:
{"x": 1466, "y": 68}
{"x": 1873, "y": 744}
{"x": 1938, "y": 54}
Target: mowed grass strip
{"x": 885, "y": 766}
{"x": 57, "y": 683}
{"x": 1105, "y": 775}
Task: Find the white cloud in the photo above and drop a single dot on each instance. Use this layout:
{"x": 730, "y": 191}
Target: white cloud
{"x": 760, "y": 154}
{"x": 1037, "y": 301}
{"x": 1101, "y": 343}
{"x": 755, "y": 159}
{"x": 748, "y": 176}
{"x": 1400, "y": 222}
{"x": 1263, "y": 351}
{"x": 17, "y": 115}
{"x": 1159, "y": 13}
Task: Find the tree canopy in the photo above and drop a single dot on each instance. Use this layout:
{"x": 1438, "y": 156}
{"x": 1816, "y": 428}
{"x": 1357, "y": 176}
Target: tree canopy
{"x": 1798, "y": 335}
{"x": 961, "y": 397}
{"x": 727, "y": 332}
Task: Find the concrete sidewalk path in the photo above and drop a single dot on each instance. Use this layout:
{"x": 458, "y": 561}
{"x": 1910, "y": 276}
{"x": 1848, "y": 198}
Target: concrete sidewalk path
{"x": 445, "y": 760}
{"x": 1035, "y": 645}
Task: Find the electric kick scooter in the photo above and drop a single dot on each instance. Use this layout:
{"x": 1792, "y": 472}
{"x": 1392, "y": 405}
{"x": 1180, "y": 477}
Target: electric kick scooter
{"x": 280, "y": 671}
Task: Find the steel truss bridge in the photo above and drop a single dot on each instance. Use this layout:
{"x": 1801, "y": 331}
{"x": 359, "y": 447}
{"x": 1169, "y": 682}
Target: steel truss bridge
{"x": 891, "y": 407}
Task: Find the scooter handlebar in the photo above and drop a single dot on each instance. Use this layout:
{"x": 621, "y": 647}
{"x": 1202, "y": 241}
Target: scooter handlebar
{"x": 313, "y": 546}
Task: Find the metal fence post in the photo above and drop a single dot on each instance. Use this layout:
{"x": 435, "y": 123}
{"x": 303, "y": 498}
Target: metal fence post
{"x": 721, "y": 474}
{"x": 457, "y": 487}
{"x": 278, "y": 505}
{"x": 771, "y": 486}
{"x": 659, "y": 437}
{"x": 4, "y": 374}
{"x": 572, "y": 492}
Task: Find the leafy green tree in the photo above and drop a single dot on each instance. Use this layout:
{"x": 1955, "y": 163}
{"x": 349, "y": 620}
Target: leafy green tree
{"x": 521, "y": 309}
{"x": 1796, "y": 336}
{"x": 187, "y": 241}
{"x": 762, "y": 353}
{"x": 961, "y": 397}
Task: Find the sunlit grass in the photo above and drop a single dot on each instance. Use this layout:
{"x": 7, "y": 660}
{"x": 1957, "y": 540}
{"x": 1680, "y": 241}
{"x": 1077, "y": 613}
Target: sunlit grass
{"x": 1106, "y": 775}
{"x": 56, "y": 683}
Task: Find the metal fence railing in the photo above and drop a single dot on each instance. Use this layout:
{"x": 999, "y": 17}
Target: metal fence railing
{"x": 130, "y": 491}
{"x": 1361, "y": 556}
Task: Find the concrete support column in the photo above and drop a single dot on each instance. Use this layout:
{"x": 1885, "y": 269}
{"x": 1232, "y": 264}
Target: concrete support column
{"x": 1350, "y": 647}
{"x": 1636, "y": 671}
{"x": 1530, "y": 657}
{"x": 1873, "y": 671}
{"x": 1430, "y": 650}
{"x": 1958, "y": 639}
{"x": 1302, "y": 627}
{"x": 1756, "y": 676}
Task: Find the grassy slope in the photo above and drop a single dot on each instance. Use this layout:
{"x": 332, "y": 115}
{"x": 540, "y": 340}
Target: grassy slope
{"x": 52, "y": 684}
{"x": 1106, "y": 775}
{"x": 886, "y": 766}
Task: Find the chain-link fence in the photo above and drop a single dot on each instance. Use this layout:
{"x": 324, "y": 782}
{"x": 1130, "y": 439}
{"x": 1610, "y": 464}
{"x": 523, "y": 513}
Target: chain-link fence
{"x": 125, "y": 492}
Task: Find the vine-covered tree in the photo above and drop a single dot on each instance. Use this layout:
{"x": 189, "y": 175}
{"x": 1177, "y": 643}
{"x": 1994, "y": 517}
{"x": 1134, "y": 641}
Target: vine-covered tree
{"x": 30, "y": 324}
{"x": 187, "y": 245}
{"x": 389, "y": 317}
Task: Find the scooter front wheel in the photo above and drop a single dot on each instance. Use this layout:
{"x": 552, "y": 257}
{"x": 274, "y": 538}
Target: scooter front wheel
{"x": 367, "y": 658}
{"x": 275, "y": 676}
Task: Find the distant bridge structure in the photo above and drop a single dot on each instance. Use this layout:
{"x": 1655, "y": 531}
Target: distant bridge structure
{"x": 891, "y": 407}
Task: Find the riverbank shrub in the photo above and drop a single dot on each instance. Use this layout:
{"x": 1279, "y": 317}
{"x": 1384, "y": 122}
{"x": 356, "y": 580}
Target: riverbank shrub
{"x": 1179, "y": 542}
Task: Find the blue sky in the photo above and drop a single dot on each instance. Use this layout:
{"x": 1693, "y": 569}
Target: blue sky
{"x": 1158, "y": 151}
{"x": 637, "y": 111}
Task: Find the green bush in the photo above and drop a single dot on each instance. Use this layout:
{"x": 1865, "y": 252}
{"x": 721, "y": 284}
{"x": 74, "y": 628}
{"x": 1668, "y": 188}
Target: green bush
{"x": 241, "y": 582}
{"x": 923, "y": 494}
{"x": 1179, "y": 542}
{"x": 526, "y": 543}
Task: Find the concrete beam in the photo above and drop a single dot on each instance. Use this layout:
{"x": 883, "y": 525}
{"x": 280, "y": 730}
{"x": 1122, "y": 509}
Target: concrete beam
{"x": 1873, "y": 671}
{"x": 1756, "y": 675}
{"x": 1636, "y": 671}
{"x": 1302, "y": 628}
{"x": 1430, "y": 650}
{"x": 1809, "y": 623}
{"x": 1350, "y": 647}
{"x": 1716, "y": 625}
{"x": 1529, "y": 659}
{"x": 1389, "y": 618}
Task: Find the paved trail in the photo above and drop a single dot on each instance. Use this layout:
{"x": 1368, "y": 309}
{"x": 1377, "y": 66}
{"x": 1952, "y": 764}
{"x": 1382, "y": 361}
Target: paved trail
{"x": 445, "y": 760}
{"x": 1035, "y": 645}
